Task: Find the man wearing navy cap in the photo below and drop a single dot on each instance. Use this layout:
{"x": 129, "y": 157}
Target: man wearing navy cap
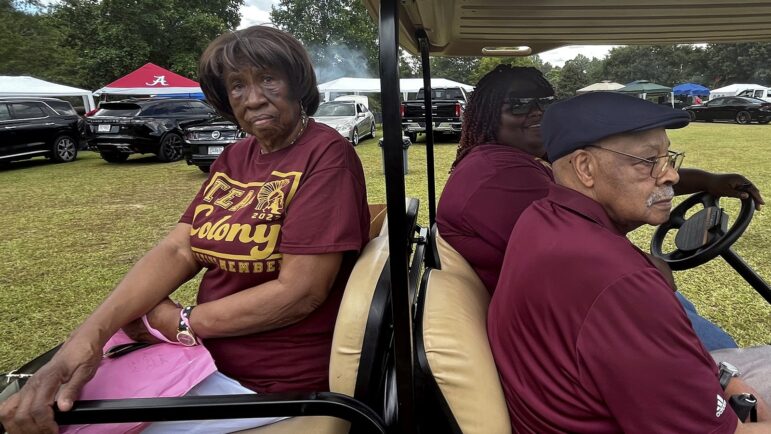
{"x": 587, "y": 334}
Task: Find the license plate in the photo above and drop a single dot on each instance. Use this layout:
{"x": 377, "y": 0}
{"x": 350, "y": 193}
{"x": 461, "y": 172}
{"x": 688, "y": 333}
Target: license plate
{"x": 215, "y": 150}
{"x": 104, "y": 128}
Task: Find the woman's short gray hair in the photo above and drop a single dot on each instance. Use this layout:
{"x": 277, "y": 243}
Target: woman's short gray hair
{"x": 262, "y": 47}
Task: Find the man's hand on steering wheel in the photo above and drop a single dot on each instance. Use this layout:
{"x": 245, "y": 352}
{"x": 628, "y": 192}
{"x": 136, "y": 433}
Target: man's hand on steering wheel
{"x": 733, "y": 185}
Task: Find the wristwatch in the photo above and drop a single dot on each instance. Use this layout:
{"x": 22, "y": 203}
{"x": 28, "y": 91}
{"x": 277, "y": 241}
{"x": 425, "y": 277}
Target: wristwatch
{"x": 185, "y": 335}
{"x": 727, "y": 371}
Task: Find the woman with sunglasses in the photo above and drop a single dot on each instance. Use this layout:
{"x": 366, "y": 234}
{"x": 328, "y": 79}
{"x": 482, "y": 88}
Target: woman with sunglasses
{"x": 501, "y": 168}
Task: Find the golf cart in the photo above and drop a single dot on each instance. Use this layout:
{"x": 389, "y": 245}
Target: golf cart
{"x": 420, "y": 361}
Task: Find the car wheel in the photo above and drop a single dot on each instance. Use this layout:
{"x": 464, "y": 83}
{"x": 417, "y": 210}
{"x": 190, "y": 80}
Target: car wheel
{"x": 64, "y": 149}
{"x": 764, "y": 121}
{"x": 170, "y": 148}
{"x": 372, "y": 130}
{"x": 691, "y": 114}
{"x": 355, "y": 136}
{"x": 743, "y": 117}
{"x": 114, "y": 157}
{"x": 205, "y": 169}
{"x": 413, "y": 137}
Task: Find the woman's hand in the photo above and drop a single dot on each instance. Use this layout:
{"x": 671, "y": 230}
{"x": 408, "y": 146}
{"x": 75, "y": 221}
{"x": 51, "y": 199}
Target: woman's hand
{"x": 733, "y": 185}
{"x": 164, "y": 317}
{"x": 61, "y": 379}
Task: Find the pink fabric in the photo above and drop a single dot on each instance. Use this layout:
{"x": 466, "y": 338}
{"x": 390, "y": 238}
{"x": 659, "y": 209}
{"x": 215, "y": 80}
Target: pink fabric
{"x": 155, "y": 332}
{"x": 160, "y": 370}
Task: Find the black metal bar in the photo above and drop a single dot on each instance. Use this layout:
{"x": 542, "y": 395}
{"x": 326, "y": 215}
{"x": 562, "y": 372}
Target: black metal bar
{"x": 222, "y": 407}
{"x": 426, "y": 69}
{"x": 747, "y": 273}
{"x": 395, "y": 197}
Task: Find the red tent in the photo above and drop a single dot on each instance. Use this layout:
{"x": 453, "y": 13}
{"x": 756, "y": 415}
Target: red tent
{"x": 151, "y": 79}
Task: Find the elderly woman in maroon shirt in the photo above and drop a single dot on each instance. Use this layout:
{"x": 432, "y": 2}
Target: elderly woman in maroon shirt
{"x": 277, "y": 227}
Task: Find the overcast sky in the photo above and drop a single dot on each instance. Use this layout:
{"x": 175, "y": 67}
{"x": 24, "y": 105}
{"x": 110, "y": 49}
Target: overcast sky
{"x": 258, "y": 12}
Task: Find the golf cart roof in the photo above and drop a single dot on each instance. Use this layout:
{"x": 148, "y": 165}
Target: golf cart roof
{"x": 474, "y": 27}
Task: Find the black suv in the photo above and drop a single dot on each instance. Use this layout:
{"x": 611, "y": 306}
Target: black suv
{"x": 119, "y": 129}
{"x": 207, "y": 139}
{"x": 31, "y": 127}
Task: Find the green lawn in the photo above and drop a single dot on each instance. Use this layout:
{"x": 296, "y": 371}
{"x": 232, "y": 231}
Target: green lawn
{"x": 70, "y": 232}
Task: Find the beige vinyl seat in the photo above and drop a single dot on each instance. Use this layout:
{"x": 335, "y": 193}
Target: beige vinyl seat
{"x": 359, "y": 353}
{"x": 457, "y": 385}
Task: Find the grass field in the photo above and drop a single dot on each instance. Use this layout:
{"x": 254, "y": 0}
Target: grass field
{"x": 70, "y": 232}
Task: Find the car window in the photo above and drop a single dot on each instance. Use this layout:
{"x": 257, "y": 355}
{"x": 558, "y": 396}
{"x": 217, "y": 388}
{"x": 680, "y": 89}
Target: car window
{"x": 180, "y": 108}
{"x": 200, "y": 108}
{"x": 157, "y": 110}
{"x": 758, "y": 94}
{"x": 768, "y": 94}
{"x": 716, "y": 102}
{"x": 62, "y": 107}
{"x": 4, "y": 113}
{"x": 336, "y": 109}
{"x": 118, "y": 109}
{"x": 27, "y": 110}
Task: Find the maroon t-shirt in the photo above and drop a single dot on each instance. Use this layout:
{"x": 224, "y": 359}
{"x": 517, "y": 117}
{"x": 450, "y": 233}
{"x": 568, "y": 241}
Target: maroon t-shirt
{"x": 309, "y": 198}
{"x": 587, "y": 335}
{"x": 482, "y": 200}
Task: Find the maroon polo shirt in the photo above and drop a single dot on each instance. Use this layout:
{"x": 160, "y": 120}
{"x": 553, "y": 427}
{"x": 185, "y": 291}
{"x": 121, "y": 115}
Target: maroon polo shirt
{"x": 482, "y": 200}
{"x": 587, "y": 335}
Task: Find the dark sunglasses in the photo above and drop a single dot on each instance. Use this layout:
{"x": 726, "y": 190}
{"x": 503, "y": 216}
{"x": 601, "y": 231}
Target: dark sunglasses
{"x": 522, "y": 106}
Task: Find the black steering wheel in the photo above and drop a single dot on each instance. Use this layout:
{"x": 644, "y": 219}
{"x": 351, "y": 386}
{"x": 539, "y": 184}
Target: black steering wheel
{"x": 703, "y": 236}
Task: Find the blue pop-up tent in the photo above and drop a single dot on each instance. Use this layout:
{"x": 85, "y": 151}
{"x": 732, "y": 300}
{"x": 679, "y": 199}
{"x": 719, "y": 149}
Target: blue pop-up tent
{"x": 690, "y": 89}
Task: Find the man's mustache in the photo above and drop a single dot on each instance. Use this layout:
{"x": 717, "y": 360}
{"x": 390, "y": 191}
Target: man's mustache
{"x": 663, "y": 193}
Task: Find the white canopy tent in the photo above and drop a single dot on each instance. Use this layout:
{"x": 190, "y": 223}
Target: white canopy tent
{"x": 25, "y": 86}
{"x": 604, "y": 85}
{"x": 372, "y": 85}
{"x": 732, "y": 90}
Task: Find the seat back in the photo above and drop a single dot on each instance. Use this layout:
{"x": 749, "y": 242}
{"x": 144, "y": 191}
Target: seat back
{"x": 458, "y": 388}
{"x": 361, "y": 344}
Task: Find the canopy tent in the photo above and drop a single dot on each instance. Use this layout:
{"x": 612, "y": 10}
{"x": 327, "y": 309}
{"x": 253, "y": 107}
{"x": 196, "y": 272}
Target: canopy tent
{"x": 25, "y": 86}
{"x": 732, "y": 89}
{"x": 690, "y": 89}
{"x": 604, "y": 85}
{"x": 643, "y": 88}
{"x": 151, "y": 79}
{"x": 372, "y": 85}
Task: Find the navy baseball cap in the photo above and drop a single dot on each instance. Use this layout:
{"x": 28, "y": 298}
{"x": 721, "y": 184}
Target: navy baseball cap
{"x": 585, "y": 119}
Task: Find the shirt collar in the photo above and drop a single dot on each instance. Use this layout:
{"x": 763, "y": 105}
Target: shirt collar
{"x": 581, "y": 204}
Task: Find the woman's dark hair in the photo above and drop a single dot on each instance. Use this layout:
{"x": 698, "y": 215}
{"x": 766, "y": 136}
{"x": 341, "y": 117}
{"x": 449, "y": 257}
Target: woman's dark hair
{"x": 265, "y": 48}
{"x": 482, "y": 117}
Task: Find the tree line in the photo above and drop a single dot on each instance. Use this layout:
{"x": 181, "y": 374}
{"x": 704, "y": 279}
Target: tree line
{"x": 89, "y": 43}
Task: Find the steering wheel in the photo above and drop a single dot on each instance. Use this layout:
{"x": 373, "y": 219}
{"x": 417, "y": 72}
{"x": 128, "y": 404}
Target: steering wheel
{"x": 704, "y": 235}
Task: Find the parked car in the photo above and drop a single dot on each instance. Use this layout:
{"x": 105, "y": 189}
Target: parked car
{"x": 351, "y": 119}
{"x": 32, "y": 127}
{"x": 205, "y": 140}
{"x": 447, "y": 107}
{"x": 147, "y": 125}
{"x": 741, "y": 109}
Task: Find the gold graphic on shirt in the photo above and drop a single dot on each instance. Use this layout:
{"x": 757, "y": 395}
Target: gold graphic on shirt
{"x": 260, "y": 233}
{"x": 270, "y": 198}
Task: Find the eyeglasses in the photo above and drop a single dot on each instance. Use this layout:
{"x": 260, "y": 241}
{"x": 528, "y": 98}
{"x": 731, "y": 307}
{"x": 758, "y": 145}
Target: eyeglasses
{"x": 522, "y": 106}
{"x": 658, "y": 164}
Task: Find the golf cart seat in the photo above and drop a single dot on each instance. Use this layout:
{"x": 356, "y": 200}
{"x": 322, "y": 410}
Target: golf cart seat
{"x": 457, "y": 384}
{"x": 360, "y": 344}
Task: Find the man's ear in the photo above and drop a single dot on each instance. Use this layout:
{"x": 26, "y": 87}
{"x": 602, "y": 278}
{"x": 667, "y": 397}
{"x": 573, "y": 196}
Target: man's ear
{"x": 584, "y": 166}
